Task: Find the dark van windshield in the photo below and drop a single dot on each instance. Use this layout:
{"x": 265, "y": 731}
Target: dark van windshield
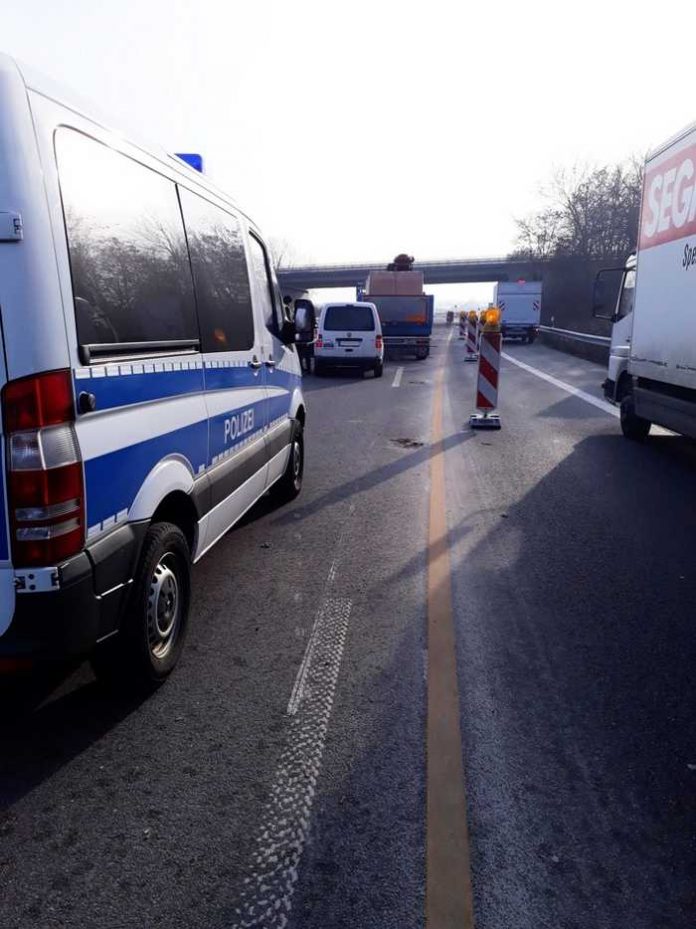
{"x": 352, "y": 317}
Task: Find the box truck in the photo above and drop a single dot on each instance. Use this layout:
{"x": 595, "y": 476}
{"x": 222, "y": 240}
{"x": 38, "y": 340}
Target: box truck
{"x": 653, "y": 357}
{"x": 519, "y": 303}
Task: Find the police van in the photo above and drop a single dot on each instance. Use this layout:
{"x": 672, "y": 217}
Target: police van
{"x": 151, "y": 391}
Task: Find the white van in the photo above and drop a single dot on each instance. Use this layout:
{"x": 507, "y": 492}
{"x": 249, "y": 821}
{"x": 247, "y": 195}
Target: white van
{"x": 349, "y": 335}
{"x": 151, "y": 392}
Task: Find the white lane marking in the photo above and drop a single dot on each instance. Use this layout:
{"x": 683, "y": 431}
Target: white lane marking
{"x": 575, "y": 391}
{"x": 266, "y": 900}
{"x": 397, "y": 377}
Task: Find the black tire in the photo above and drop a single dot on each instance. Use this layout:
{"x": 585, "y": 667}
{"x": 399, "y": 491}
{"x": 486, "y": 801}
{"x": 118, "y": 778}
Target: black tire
{"x": 422, "y": 354}
{"x": 531, "y": 338}
{"x": 319, "y": 368}
{"x": 379, "y": 369}
{"x": 290, "y": 484}
{"x": 633, "y": 427}
{"x": 147, "y": 647}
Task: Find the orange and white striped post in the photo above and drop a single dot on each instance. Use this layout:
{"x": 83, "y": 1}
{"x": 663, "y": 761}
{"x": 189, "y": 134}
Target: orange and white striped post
{"x": 462, "y": 324}
{"x": 488, "y": 374}
{"x": 479, "y": 329}
{"x": 471, "y": 347}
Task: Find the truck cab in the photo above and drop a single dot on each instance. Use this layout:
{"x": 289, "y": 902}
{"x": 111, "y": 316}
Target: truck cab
{"x": 617, "y": 383}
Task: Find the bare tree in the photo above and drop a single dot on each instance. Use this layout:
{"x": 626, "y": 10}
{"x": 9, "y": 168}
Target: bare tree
{"x": 589, "y": 213}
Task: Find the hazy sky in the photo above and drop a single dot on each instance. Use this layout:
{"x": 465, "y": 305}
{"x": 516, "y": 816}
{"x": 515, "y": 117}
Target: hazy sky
{"x": 362, "y": 129}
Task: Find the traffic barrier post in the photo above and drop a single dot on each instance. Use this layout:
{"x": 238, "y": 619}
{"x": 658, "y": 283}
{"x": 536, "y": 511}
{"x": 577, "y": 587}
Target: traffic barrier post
{"x": 488, "y": 373}
{"x": 462, "y": 325}
{"x": 471, "y": 347}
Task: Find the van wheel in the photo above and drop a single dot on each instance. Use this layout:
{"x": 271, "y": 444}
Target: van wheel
{"x": 149, "y": 642}
{"x": 633, "y": 427}
{"x": 290, "y": 484}
{"x": 319, "y": 369}
{"x": 379, "y": 369}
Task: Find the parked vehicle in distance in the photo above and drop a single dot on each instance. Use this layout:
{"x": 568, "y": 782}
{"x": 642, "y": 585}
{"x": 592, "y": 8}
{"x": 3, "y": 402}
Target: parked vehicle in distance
{"x": 405, "y": 310}
{"x": 519, "y": 303}
{"x": 349, "y": 335}
{"x": 151, "y": 392}
{"x": 450, "y": 317}
{"x": 657, "y": 339}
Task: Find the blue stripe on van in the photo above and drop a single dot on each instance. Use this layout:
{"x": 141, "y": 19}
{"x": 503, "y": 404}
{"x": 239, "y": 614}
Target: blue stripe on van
{"x": 126, "y": 389}
{"x": 224, "y": 378}
{"x": 243, "y": 423}
{"x": 113, "y": 480}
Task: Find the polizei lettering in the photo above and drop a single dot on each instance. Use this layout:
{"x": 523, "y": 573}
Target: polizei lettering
{"x": 238, "y": 424}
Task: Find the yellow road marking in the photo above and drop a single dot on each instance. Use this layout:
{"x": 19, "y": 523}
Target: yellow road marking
{"x": 448, "y": 900}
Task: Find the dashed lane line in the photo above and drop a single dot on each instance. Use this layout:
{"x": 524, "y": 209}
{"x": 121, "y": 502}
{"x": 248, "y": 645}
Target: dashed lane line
{"x": 397, "y": 377}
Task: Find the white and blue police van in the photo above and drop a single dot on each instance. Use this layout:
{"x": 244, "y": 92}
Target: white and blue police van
{"x": 151, "y": 391}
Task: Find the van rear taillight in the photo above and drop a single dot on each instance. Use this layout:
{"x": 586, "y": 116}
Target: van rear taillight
{"x": 319, "y": 341}
{"x": 378, "y": 342}
{"x": 45, "y": 481}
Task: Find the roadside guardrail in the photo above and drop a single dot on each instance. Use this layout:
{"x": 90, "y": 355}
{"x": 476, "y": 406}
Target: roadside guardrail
{"x": 584, "y": 344}
{"x": 578, "y": 336}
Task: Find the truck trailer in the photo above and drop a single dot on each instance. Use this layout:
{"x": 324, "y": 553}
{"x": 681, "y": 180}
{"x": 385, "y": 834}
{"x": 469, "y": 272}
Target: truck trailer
{"x": 652, "y": 368}
{"x": 405, "y": 311}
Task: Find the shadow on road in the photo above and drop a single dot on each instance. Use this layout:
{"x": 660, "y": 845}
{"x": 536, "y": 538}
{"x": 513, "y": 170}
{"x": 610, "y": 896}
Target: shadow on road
{"x": 39, "y": 735}
{"x": 373, "y": 478}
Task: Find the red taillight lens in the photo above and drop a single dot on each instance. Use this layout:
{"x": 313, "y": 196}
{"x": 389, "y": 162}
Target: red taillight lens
{"x": 45, "y": 482}
{"x": 319, "y": 341}
{"x": 378, "y": 342}
{"x": 33, "y": 402}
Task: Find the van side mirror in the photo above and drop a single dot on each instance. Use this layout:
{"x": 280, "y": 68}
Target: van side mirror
{"x": 287, "y": 332}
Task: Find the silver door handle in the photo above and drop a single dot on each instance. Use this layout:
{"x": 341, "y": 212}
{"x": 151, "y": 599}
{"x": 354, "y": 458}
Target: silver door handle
{"x": 270, "y": 363}
{"x": 255, "y": 364}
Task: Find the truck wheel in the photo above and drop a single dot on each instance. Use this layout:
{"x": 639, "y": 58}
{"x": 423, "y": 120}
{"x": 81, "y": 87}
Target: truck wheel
{"x": 422, "y": 354}
{"x": 379, "y": 369}
{"x": 531, "y": 338}
{"x": 290, "y": 484}
{"x": 633, "y": 427}
{"x": 147, "y": 646}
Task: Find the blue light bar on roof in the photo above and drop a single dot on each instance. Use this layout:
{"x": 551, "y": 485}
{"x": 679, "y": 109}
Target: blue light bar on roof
{"x": 196, "y": 161}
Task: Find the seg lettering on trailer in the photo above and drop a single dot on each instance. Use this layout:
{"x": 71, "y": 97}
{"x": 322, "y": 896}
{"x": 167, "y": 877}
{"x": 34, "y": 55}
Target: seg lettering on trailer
{"x": 669, "y": 199}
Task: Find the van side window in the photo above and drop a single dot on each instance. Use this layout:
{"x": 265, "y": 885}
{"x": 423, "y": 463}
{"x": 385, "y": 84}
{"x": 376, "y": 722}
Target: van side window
{"x": 265, "y": 292}
{"x": 130, "y": 270}
{"x": 220, "y": 275}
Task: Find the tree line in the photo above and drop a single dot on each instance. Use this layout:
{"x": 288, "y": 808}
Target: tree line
{"x": 588, "y": 213}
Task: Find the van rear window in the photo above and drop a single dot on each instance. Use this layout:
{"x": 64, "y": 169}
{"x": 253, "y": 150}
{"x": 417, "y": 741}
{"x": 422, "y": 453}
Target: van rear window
{"x": 128, "y": 258}
{"x": 352, "y": 317}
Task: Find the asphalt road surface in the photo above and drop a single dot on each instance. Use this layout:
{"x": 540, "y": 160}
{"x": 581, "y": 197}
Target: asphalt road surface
{"x": 280, "y": 777}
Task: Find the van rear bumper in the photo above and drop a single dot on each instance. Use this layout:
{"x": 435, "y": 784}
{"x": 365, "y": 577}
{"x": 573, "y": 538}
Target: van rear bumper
{"x": 86, "y": 608}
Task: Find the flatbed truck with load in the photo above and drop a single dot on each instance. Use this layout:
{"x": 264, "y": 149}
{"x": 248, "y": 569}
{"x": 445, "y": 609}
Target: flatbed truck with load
{"x": 405, "y": 311}
{"x": 652, "y": 367}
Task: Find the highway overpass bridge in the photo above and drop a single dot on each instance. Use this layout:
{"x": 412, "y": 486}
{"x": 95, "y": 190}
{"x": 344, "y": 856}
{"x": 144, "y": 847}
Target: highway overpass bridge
{"x": 462, "y": 271}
